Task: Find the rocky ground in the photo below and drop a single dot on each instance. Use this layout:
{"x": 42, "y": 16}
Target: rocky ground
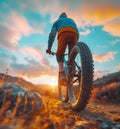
{"x": 58, "y": 115}
{"x": 21, "y": 109}
{"x": 95, "y": 116}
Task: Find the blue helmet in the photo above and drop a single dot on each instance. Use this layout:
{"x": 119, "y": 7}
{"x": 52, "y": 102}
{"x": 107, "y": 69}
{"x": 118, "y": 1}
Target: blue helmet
{"x": 63, "y": 15}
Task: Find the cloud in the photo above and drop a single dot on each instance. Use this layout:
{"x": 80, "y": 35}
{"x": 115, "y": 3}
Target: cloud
{"x": 34, "y": 63}
{"x": 4, "y": 60}
{"x": 99, "y": 73}
{"x": 8, "y": 37}
{"x": 86, "y": 32}
{"x": 97, "y": 13}
{"x": 42, "y": 7}
{"x": 100, "y": 12}
{"x": 113, "y": 27}
{"x": 104, "y": 57}
{"x": 85, "y": 13}
{"x": 13, "y": 29}
{"x": 21, "y": 24}
{"x": 115, "y": 41}
{"x": 103, "y": 13}
{"x": 33, "y": 69}
{"x": 36, "y": 53}
{"x": 28, "y": 60}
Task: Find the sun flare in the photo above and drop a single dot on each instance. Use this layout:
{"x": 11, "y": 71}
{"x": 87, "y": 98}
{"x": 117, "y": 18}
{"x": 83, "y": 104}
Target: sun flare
{"x": 53, "y": 82}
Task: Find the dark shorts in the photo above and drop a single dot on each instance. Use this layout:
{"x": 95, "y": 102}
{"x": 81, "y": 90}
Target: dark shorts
{"x": 65, "y": 39}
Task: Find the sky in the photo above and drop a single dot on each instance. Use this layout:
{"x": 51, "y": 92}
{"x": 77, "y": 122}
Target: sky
{"x": 26, "y": 24}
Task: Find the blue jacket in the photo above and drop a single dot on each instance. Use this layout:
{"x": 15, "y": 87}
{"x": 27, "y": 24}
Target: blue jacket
{"x": 57, "y": 26}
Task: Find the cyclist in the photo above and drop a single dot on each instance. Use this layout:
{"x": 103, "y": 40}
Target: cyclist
{"x": 68, "y": 35}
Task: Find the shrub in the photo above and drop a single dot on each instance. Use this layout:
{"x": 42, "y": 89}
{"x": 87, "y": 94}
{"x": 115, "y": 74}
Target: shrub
{"x": 107, "y": 93}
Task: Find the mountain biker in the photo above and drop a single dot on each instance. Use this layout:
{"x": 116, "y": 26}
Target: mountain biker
{"x": 67, "y": 35}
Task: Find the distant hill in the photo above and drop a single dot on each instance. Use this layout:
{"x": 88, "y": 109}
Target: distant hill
{"x": 42, "y": 89}
{"x": 107, "y": 88}
{"x": 108, "y": 79}
{"x": 8, "y": 78}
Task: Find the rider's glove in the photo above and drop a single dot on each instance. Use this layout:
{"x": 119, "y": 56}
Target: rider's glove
{"x": 48, "y": 51}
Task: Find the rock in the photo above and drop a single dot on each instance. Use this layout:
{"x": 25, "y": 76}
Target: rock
{"x": 51, "y": 126}
{"x": 69, "y": 122}
{"x": 99, "y": 120}
{"x": 86, "y": 125}
{"x": 105, "y": 126}
{"x": 6, "y": 127}
{"x": 110, "y": 125}
{"x": 21, "y": 100}
{"x": 117, "y": 119}
{"x": 117, "y": 126}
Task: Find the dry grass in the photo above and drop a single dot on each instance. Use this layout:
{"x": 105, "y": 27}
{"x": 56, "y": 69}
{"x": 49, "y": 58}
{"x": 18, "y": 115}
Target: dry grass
{"x": 107, "y": 93}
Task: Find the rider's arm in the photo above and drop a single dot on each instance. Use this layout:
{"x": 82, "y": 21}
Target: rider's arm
{"x": 52, "y": 36}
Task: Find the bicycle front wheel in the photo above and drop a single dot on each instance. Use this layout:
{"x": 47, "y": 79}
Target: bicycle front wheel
{"x": 80, "y": 78}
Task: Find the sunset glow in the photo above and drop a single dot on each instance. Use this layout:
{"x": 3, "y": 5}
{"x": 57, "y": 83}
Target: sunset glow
{"x": 53, "y": 82}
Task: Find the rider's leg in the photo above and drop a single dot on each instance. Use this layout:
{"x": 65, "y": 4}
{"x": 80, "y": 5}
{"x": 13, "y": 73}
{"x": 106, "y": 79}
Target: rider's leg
{"x": 60, "y": 51}
{"x": 61, "y": 67}
{"x": 71, "y": 43}
{"x": 62, "y": 43}
{"x": 62, "y": 76}
{"x": 60, "y": 57}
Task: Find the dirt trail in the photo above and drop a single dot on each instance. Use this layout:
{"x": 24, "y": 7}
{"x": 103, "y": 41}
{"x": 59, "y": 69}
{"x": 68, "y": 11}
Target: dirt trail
{"x": 58, "y": 115}
{"x": 94, "y": 116}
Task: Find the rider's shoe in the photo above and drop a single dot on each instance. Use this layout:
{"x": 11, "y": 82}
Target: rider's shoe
{"x": 62, "y": 78}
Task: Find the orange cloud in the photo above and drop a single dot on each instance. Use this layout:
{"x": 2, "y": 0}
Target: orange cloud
{"x": 94, "y": 13}
{"x": 104, "y": 57}
{"x": 13, "y": 28}
{"x": 100, "y": 12}
{"x": 21, "y": 24}
{"x": 88, "y": 12}
{"x": 113, "y": 27}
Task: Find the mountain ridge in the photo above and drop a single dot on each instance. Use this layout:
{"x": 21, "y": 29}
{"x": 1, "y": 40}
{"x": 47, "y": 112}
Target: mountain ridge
{"x": 110, "y": 78}
{"x": 107, "y": 79}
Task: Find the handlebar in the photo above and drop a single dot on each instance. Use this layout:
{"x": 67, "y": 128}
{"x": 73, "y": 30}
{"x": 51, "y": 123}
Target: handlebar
{"x": 53, "y": 53}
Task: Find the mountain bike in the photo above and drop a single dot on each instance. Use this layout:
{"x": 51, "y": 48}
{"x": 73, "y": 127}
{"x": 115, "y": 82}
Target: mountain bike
{"x": 79, "y": 72}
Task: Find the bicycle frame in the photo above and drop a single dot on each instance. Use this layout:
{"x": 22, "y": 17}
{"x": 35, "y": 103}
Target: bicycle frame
{"x": 67, "y": 67}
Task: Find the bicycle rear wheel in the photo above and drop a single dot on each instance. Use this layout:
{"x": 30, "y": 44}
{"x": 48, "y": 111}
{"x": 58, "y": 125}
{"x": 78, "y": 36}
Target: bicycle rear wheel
{"x": 63, "y": 88}
{"x": 80, "y": 78}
